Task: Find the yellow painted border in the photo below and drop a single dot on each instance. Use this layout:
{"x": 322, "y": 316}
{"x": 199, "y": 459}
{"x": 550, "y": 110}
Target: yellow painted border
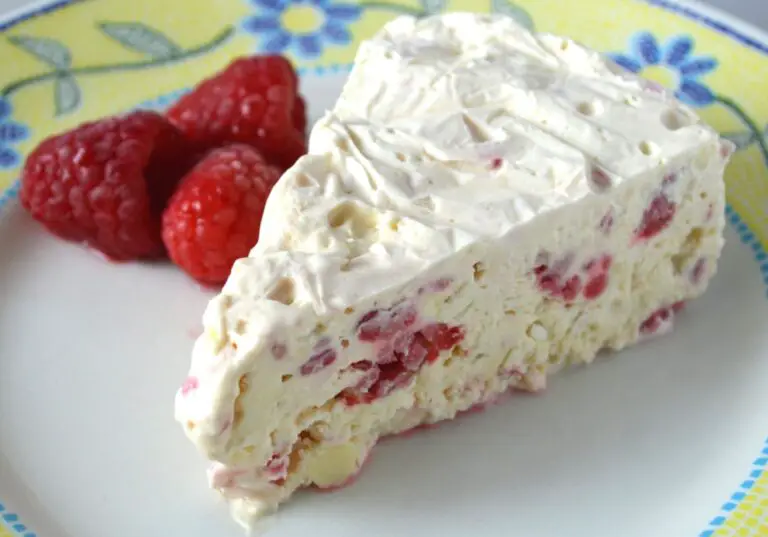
{"x": 88, "y": 58}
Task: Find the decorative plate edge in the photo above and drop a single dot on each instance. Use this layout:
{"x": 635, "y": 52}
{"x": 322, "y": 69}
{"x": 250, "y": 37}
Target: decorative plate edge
{"x": 13, "y": 523}
{"x": 28, "y": 12}
{"x": 746, "y": 235}
{"x": 759, "y": 467}
{"x": 701, "y": 15}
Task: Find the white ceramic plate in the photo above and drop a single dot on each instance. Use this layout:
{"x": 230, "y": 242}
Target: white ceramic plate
{"x": 665, "y": 439}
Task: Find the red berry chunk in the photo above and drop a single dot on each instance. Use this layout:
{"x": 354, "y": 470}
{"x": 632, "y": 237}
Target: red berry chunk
{"x": 318, "y": 361}
{"x": 106, "y": 183}
{"x": 597, "y": 276}
{"x": 442, "y": 336}
{"x": 655, "y": 321}
{"x": 437, "y": 286}
{"x": 599, "y": 265}
{"x": 596, "y": 286}
{"x": 669, "y": 179}
{"x": 555, "y": 283}
{"x": 660, "y": 318}
{"x": 606, "y": 223}
{"x": 371, "y": 376}
{"x": 726, "y": 149}
{"x": 571, "y": 288}
{"x": 600, "y": 179}
{"x": 710, "y": 212}
{"x": 560, "y": 281}
{"x": 214, "y": 217}
{"x": 277, "y": 464}
{"x": 392, "y": 376}
{"x": 657, "y": 216}
{"x": 277, "y": 468}
{"x": 698, "y": 271}
{"x": 400, "y": 351}
{"x": 278, "y": 350}
{"x": 189, "y": 385}
{"x": 383, "y": 324}
{"x": 253, "y": 101}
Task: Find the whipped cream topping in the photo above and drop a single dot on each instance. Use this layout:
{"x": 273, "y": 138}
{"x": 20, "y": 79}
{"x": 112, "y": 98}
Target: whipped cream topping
{"x": 451, "y": 131}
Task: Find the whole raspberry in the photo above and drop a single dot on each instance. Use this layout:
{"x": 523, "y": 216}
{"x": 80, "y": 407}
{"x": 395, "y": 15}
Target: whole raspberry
{"x": 105, "y": 183}
{"x": 213, "y": 218}
{"x": 253, "y": 101}
{"x": 300, "y": 115}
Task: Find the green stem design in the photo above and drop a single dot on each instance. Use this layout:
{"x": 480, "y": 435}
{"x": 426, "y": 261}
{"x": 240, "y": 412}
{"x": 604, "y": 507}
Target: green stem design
{"x": 384, "y": 6}
{"x": 734, "y": 107}
{"x": 199, "y": 50}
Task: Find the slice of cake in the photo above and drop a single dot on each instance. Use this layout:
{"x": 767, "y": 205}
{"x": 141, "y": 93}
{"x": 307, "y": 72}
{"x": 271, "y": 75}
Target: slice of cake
{"x": 482, "y": 207}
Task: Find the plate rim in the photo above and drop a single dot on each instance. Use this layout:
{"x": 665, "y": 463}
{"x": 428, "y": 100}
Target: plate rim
{"x": 712, "y": 17}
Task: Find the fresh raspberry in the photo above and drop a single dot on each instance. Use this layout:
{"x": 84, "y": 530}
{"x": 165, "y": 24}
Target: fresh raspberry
{"x": 105, "y": 183}
{"x": 213, "y": 218}
{"x": 299, "y": 107}
{"x": 300, "y": 115}
{"x": 253, "y": 101}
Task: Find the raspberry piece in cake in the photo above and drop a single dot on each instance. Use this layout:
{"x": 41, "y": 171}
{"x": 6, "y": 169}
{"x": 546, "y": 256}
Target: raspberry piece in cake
{"x": 657, "y": 216}
{"x": 318, "y": 361}
{"x": 448, "y": 240}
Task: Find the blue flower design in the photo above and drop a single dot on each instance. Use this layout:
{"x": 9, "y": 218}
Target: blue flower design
{"x": 10, "y": 133}
{"x": 677, "y": 56}
{"x": 302, "y": 25}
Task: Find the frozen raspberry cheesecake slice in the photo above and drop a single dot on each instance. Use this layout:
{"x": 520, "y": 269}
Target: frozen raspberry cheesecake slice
{"x": 482, "y": 207}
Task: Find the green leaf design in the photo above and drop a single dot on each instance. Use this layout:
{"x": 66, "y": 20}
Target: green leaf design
{"x": 67, "y": 94}
{"x": 48, "y": 50}
{"x": 743, "y": 139}
{"x": 139, "y": 37}
{"x": 431, "y": 7}
{"x": 507, "y": 7}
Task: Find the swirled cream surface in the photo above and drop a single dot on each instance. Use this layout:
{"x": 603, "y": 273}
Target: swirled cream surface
{"x": 454, "y": 129}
